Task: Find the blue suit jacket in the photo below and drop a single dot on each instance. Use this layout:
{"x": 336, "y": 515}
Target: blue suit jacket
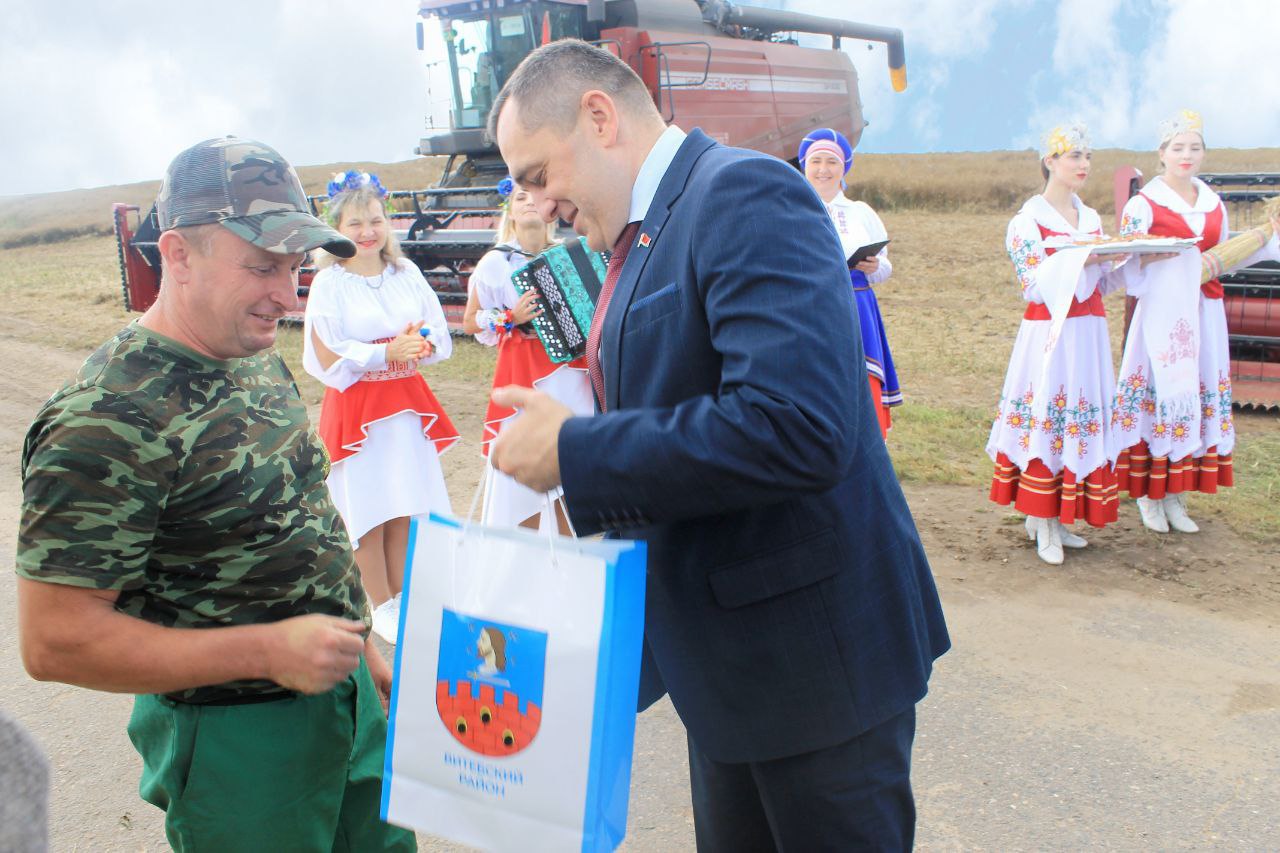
{"x": 790, "y": 605}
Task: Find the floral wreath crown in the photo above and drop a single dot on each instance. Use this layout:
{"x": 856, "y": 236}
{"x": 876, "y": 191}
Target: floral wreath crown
{"x": 1064, "y": 139}
{"x": 1186, "y": 121}
{"x": 350, "y": 181}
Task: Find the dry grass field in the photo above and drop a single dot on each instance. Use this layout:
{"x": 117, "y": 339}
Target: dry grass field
{"x": 951, "y": 309}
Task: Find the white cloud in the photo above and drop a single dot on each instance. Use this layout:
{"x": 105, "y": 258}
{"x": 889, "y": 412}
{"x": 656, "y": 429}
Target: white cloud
{"x": 1218, "y": 59}
{"x": 1092, "y": 75}
{"x": 110, "y": 93}
{"x": 1204, "y": 55}
{"x": 936, "y": 32}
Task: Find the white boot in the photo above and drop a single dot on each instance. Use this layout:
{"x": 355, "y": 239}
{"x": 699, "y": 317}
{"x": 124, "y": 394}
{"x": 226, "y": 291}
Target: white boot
{"x": 1065, "y": 536}
{"x": 1069, "y": 539}
{"x": 386, "y": 619}
{"x": 1048, "y": 543}
{"x": 1175, "y": 512}
{"x": 1153, "y": 515}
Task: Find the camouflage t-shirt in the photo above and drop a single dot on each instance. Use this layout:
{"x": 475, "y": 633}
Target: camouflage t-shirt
{"x": 194, "y": 487}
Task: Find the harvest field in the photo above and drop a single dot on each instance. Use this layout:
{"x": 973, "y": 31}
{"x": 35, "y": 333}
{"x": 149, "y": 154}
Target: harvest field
{"x": 1128, "y": 699}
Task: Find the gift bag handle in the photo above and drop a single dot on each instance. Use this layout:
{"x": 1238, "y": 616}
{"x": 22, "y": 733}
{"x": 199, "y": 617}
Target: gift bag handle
{"x": 467, "y": 523}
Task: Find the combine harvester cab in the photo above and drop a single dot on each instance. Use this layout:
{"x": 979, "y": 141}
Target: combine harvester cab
{"x": 1251, "y": 296}
{"x": 737, "y": 72}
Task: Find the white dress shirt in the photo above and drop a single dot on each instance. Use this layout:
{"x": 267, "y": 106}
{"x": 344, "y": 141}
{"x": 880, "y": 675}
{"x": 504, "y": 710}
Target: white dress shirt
{"x": 652, "y": 171}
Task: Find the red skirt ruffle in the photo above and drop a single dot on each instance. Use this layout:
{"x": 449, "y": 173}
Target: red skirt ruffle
{"x": 1038, "y": 492}
{"x": 345, "y": 416}
{"x": 1146, "y": 477}
{"x": 883, "y": 414}
{"x": 521, "y": 361}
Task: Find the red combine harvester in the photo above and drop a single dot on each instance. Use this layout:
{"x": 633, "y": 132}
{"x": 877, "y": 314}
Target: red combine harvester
{"x": 1252, "y": 295}
{"x": 735, "y": 71}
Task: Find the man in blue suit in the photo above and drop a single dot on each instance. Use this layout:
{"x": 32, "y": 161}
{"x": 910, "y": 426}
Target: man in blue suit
{"x": 791, "y": 614}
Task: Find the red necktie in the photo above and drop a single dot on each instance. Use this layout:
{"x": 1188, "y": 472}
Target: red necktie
{"x": 620, "y": 250}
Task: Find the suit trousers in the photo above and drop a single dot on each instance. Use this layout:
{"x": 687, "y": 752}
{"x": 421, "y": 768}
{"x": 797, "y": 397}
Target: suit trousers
{"x": 855, "y": 795}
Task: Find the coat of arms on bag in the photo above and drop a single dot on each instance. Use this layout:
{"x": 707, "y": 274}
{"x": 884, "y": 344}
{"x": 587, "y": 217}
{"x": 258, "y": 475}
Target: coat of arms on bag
{"x": 489, "y": 683}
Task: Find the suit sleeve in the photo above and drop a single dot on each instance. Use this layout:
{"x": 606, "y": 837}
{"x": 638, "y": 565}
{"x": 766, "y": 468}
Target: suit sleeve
{"x": 786, "y": 415}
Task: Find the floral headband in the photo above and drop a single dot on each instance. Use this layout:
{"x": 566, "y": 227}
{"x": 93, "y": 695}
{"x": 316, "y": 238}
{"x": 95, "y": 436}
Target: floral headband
{"x": 354, "y": 180}
{"x": 1186, "y": 121}
{"x": 1064, "y": 139}
{"x": 350, "y": 181}
{"x": 506, "y": 187}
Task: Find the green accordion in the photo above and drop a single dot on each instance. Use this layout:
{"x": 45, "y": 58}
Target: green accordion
{"x": 567, "y": 278}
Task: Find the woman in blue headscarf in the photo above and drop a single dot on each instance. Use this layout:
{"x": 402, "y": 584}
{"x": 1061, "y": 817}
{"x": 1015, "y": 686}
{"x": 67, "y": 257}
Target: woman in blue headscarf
{"x": 826, "y": 157}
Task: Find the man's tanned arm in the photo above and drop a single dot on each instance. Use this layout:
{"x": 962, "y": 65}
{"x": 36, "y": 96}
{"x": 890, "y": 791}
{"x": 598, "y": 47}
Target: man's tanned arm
{"x": 76, "y": 636}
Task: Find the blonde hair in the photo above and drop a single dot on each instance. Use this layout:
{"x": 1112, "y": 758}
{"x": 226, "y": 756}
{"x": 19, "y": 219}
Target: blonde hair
{"x": 1165, "y": 144}
{"x": 360, "y": 199}
{"x": 507, "y": 228}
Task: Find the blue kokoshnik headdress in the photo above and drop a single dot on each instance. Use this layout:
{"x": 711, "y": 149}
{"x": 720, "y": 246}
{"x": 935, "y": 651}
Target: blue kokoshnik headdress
{"x": 829, "y": 140}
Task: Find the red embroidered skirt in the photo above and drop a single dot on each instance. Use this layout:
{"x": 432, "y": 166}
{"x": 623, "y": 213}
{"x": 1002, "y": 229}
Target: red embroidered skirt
{"x": 1038, "y": 492}
{"x": 1144, "y": 476}
{"x": 346, "y": 415}
{"x": 521, "y": 361}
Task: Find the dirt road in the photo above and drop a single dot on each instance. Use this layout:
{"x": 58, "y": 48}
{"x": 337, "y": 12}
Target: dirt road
{"x": 1128, "y": 700}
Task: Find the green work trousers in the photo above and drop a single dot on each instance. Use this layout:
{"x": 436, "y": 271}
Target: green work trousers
{"x": 301, "y": 774}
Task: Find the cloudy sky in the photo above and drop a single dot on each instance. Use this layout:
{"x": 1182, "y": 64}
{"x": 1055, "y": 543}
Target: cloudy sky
{"x": 102, "y": 92}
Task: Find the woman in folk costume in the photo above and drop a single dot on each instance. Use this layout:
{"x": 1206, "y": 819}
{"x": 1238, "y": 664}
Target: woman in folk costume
{"x": 1173, "y": 402}
{"x": 826, "y": 157}
{"x": 1049, "y": 441}
{"x": 371, "y": 322}
{"x": 498, "y": 316}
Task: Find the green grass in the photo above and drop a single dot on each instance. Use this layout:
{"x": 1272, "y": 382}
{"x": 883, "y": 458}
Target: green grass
{"x": 940, "y": 444}
{"x": 1250, "y": 506}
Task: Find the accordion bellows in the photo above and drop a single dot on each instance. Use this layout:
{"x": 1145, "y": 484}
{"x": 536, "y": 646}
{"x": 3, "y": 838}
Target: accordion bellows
{"x": 567, "y": 278}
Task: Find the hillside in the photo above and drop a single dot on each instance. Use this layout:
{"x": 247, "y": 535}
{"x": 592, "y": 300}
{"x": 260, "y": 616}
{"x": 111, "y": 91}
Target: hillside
{"x": 979, "y": 182}
{"x": 53, "y": 217}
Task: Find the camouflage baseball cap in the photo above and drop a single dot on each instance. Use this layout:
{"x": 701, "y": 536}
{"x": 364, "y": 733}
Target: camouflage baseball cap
{"x": 250, "y": 190}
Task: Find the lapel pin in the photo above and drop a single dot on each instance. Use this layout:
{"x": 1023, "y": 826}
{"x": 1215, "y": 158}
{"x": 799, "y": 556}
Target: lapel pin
{"x": 645, "y": 240}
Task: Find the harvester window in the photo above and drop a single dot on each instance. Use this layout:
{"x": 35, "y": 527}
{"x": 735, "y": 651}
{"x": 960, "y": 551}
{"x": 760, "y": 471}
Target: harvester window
{"x": 511, "y": 25}
{"x": 475, "y": 83}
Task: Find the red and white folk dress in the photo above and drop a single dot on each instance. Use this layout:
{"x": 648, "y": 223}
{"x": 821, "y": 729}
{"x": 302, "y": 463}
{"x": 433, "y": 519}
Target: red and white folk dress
{"x": 523, "y": 361}
{"x": 1162, "y": 449}
{"x": 382, "y": 426}
{"x": 1049, "y": 441}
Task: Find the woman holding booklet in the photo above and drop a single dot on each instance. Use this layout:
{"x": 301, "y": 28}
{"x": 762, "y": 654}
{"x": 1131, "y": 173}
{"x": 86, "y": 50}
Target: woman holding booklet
{"x": 1051, "y": 439}
{"x": 826, "y": 157}
{"x": 1173, "y": 406}
{"x": 498, "y": 316}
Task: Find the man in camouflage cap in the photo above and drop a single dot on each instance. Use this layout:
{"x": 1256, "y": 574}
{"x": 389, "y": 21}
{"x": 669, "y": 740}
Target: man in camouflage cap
{"x": 177, "y": 540}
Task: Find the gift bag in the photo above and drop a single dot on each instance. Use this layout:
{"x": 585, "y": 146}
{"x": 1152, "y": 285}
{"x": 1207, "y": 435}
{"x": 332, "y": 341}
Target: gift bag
{"x": 516, "y": 676}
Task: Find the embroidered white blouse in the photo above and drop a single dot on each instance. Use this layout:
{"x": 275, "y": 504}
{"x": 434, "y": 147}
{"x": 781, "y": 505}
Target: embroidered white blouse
{"x": 348, "y": 312}
{"x": 858, "y": 225}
